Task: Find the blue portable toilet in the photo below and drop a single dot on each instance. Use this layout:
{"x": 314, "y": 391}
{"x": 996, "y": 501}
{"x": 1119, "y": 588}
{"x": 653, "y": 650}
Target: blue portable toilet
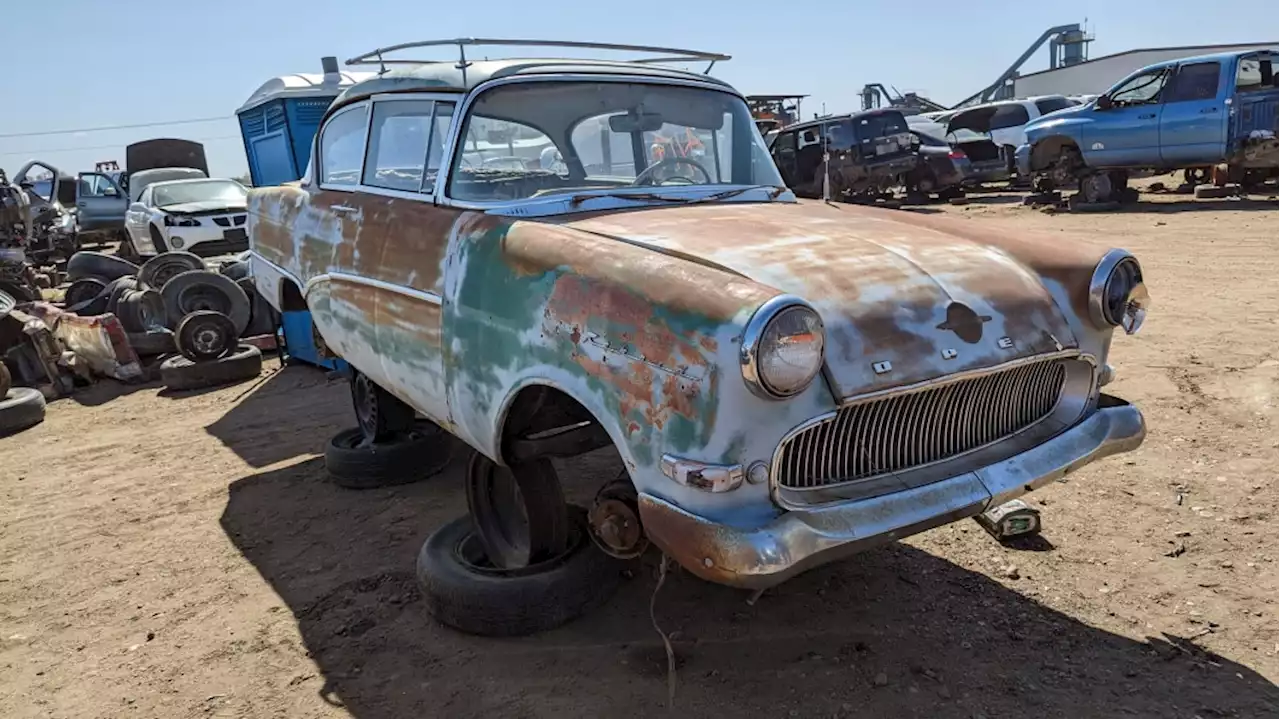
{"x": 278, "y": 123}
{"x": 280, "y": 119}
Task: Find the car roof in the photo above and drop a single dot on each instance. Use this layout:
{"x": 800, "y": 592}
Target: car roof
{"x": 1211, "y": 57}
{"x": 845, "y": 116}
{"x": 448, "y": 77}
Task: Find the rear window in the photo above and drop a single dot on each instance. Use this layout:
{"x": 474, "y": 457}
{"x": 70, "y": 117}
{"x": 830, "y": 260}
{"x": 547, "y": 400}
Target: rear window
{"x": 1053, "y": 104}
{"x": 1009, "y": 116}
{"x": 1256, "y": 73}
{"x": 881, "y": 124}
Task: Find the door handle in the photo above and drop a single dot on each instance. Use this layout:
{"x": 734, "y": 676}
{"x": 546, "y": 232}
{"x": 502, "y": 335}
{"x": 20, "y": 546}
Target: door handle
{"x": 342, "y": 209}
{"x": 1207, "y": 110}
{"x": 1147, "y": 117}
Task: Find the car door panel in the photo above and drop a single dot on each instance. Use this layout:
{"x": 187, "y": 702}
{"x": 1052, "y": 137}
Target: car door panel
{"x": 100, "y": 203}
{"x": 1193, "y": 123}
{"x": 1126, "y": 129}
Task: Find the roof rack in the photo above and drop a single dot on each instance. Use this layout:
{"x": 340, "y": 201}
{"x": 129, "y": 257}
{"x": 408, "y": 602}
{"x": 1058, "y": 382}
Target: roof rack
{"x": 665, "y": 54}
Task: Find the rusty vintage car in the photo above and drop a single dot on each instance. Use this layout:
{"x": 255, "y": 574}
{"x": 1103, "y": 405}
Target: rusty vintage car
{"x": 491, "y": 245}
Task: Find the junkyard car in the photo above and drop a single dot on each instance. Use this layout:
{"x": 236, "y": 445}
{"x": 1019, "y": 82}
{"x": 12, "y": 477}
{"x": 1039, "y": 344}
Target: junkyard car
{"x": 203, "y": 216}
{"x": 865, "y": 153}
{"x": 785, "y": 381}
{"x": 1187, "y": 113}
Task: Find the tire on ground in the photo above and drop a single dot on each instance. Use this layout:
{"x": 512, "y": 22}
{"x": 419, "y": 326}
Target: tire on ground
{"x": 6, "y": 380}
{"x": 181, "y": 373}
{"x": 116, "y": 288}
{"x": 21, "y": 407}
{"x": 140, "y": 310}
{"x": 98, "y": 264}
{"x": 486, "y": 602}
{"x": 205, "y": 335}
{"x": 87, "y": 296}
{"x": 158, "y": 270}
{"x": 406, "y": 457}
{"x": 158, "y": 341}
{"x": 205, "y": 290}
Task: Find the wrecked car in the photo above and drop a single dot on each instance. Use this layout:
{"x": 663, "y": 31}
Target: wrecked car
{"x": 1003, "y": 125}
{"x": 51, "y": 198}
{"x": 784, "y": 382}
{"x": 859, "y": 155}
{"x": 205, "y": 217}
{"x": 1194, "y": 112}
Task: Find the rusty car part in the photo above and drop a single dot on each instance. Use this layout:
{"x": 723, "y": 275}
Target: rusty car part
{"x": 1014, "y": 518}
{"x": 519, "y": 511}
{"x": 702, "y": 475}
{"x": 615, "y": 520}
{"x": 763, "y": 555}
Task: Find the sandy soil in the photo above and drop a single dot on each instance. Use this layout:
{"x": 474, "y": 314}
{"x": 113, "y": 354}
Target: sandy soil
{"x": 183, "y": 556}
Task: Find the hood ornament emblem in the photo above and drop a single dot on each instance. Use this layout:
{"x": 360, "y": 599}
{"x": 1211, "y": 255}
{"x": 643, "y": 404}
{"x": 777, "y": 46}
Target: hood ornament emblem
{"x": 966, "y": 323}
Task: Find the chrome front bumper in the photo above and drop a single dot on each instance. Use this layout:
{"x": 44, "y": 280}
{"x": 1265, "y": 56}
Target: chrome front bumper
{"x": 760, "y": 557}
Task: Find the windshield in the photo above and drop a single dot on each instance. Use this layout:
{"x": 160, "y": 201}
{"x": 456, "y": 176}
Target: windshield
{"x": 231, "y": 193}
{"x": 533, "y": 139}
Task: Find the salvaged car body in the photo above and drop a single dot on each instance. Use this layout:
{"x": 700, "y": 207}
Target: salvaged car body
{"x": 863, "y": 153}
{"x": 203, "y": 216}
{"x": 1193, "y": 112}
{"x": 785, "y": 381}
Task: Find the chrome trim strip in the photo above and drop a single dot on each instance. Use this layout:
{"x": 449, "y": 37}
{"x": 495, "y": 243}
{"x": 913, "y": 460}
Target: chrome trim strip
{"x": 751, "y": 343}
{"x": 430, "y": 297}
{"x": 714, "y": 478}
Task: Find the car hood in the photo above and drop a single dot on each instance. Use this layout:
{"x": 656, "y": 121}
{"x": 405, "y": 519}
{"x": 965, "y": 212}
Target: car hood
{"x": 207, "y": 206}
{"x": 1075, "y": 112}
{"x": 926, "y": 301}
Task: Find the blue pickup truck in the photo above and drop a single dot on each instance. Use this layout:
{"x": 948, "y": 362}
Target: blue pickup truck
{"x": 1190, "y": 113}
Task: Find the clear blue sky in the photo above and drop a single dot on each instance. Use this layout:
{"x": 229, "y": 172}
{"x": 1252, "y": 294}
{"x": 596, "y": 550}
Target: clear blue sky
{"x": 89, "y": 63}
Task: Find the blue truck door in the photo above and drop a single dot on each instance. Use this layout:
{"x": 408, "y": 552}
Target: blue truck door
{"x": 1193, "y": 125}
{"x": 1126, "y": 131}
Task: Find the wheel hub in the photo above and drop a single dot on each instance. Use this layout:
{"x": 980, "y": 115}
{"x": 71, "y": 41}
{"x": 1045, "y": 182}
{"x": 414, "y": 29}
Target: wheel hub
{"x": 615, "y": 521}
{"x": 366, "y": 405}
{"x": 1096, "y": 187}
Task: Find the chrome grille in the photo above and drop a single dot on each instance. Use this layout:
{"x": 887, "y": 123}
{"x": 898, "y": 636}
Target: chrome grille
{"x": 903, "y": 431}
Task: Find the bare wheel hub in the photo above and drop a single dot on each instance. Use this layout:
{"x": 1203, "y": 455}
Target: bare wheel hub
{"x": 615, "y": 521}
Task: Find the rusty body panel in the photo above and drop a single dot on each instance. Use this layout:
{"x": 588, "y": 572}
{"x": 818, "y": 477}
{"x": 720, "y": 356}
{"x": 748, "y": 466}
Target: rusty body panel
{"x": 643, "y": 316}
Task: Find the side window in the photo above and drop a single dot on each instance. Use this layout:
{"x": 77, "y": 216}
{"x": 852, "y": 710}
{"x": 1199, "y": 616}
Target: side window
{"x": 398, "y": 140}
{"x": 1143, "y": 89}
{"x": 1197, "y": 81}
{"x": 785, "y": 142}
{"x": 808, "y": 136}
{"x": 342, "y": 147}
{"x": 1009, "y": 116}
{"x": 1256, "y": 73}
{"x": 145, "y": 197}
{"x": 839, "y": 136}
{"x": 1053, "y": 104}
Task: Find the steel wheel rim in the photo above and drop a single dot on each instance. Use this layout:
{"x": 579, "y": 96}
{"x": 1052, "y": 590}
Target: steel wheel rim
{"x": 207, "y": 340}
{"x": 168, "y": 271}
{"x": 500, "y": 518}
{"x": 204, "y": 297}
{"x": 366, "y": 406}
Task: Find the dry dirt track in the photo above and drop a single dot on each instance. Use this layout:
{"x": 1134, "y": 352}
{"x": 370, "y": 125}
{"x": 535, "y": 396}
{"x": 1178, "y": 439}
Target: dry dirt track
{"x": 182, "y": 556}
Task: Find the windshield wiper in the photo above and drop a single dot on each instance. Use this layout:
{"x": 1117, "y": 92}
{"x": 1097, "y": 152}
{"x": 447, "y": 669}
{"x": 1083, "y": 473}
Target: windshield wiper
{"x": 640, "y": 197}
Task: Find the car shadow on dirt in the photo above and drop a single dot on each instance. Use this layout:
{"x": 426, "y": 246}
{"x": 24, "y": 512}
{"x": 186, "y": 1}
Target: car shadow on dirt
{"x": 891, "y": 632}
{"x": 286, "y": 413}
{"x": 1239, "y": 204}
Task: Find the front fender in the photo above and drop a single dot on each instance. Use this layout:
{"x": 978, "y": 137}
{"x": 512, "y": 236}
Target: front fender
{"x": 646, "y": 342}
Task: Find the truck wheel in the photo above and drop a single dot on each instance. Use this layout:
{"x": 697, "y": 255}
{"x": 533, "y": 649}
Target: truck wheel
{"x": 157, "y": 271}
{"x": 205, "y": 290}
{"x": 1096, "y": 187}
{"x": 180, "y": 373}
{"x": 465, "y": 591}
{"x": 20, "y": 408}
{"x": 410, "y": 456}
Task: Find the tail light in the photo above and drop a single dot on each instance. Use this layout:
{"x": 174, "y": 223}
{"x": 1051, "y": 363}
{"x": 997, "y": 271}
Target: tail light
{"x": 957, "y": 154}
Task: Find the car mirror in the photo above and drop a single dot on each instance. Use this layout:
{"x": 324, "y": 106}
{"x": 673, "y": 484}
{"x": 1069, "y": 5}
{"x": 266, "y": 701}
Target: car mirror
{"x": 1103, "y": 103}
{"x": 110, "y": 192}
{"x": 137, "y": 207}
{"x": 636, "y": 122}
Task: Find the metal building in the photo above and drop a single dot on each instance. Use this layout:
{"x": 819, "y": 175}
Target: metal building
{"x": 1096, "y": 75}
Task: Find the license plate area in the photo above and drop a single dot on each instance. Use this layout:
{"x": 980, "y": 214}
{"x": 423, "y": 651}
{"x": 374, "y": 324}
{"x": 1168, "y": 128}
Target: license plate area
{"x": 237, "y": 233}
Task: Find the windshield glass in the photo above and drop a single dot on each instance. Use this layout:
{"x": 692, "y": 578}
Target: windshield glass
{"x": 533, "y": 139}
{"x": 213, "y": 191}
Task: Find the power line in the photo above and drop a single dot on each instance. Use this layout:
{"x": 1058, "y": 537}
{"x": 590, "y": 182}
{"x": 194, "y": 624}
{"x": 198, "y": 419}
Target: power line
{"x": 41, "y": 133}
{"x": 38, "y": 153}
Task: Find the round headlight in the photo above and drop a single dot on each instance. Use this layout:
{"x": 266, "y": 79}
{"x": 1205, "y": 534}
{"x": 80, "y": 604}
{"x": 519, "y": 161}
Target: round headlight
{"x": 177, "y": 242}
{"x": 1117, "y": 295}
{"x": 783, "y": 348}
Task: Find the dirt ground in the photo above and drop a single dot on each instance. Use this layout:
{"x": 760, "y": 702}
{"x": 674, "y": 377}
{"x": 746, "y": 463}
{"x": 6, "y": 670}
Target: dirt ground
{"x": 182, "y": 555}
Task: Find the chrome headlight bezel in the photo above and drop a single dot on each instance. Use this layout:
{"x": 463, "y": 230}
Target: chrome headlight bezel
{"x": 1118, "y": 266}
{"x": 752, "y": 339}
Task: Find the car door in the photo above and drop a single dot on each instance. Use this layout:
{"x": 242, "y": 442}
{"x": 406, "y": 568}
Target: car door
{"x": 1193, "y": 121}
{"x": 387, "y": 278}
{"x": 100, "y": 203}
{"x": 784, "y": 155}
{"x": 809, "y": 161}
{"x": 1126, "y": 129}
